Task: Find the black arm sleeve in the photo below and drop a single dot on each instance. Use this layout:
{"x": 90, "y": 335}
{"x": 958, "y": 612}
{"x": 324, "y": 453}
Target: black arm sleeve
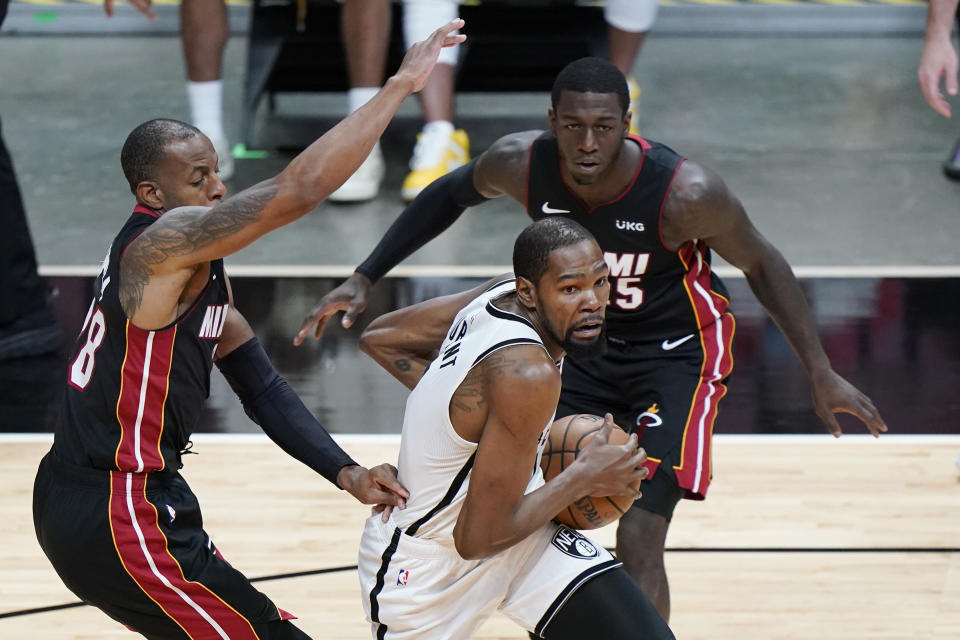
{"x": 272, "y": 404}
{"x": 435, "y": 209}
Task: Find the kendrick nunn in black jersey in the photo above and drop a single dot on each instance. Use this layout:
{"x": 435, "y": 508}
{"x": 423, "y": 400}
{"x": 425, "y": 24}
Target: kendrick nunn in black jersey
{"x": 111, "y": 510}
{"x": 656, "y": 216}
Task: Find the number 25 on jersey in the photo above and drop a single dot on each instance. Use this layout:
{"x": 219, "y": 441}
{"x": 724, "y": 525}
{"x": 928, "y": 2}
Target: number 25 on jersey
{"x": 627, "y": 269}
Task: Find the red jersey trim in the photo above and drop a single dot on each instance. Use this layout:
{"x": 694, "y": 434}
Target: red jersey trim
{"x": 144, "y": 384}
{"x": 716, "y": 329}
{"x": 140, "y": 208}
{"x": 143, "y": 550}
{"x": 144, "y": 210}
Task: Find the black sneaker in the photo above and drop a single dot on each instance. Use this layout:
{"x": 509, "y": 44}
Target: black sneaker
{"x": 31, "y": 334}
{"x": 951, "y": 168}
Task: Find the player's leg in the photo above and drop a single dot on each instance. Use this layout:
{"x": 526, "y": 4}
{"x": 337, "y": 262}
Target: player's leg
{"x": 416, "y": 589}
{"x": 548, "y": 584}
{"x": 203, "y": 33}
{"x": 440, "y": 147}
{"x": 136, "y": 550}
{"x": 365, "y": 31}
{"x": 610, "y": 605}
{"x": 675, "y": 389}
{"x": 642, "y": 535}
{"x": 628, "y": 23}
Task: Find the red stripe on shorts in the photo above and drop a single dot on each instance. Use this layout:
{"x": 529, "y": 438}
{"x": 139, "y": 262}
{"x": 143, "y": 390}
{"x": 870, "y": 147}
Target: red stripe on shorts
{"x": 716, "y": 336}
{"x": 142, "y": 548}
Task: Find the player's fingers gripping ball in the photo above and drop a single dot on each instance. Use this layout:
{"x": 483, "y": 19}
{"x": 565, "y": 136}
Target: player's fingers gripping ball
{"x": 568, "y": 436}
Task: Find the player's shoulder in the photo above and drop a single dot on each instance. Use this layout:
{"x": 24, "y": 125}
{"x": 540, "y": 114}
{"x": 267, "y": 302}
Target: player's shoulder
{"x": 522, "y": 380}
{"x": 522, "y": 367}
{"x": 502, "y": 168}
{"x": 695, "y": 184}
{"x": 513, "y": 146}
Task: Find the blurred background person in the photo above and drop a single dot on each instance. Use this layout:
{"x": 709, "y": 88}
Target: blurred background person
{"x": 939, "y": 62}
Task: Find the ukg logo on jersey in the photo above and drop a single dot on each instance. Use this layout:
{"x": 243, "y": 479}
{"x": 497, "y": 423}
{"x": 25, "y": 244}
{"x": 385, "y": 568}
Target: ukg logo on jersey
{"x": 627, "y": 225}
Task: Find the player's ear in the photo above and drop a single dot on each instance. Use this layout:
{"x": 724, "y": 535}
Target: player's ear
{"x": 150, "y": 194}
{"x": 526, "y": 293}
{"x": 552, "y": 118}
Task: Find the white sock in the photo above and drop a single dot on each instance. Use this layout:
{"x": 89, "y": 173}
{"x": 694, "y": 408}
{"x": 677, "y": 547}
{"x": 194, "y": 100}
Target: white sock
{"x": 438, "y": 127}
{"x": 359, "y": 96}
{"x": 206, "y": 108}
{"x": 632, "y": 16}
{"x": 423, "y": 17}
{"x": 356, "y": 98}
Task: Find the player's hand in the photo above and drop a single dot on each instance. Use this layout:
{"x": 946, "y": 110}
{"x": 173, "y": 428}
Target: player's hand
{"x": 939, "y": 60}
{"x": 377, "y": 486}
{"x": 612, "y": 470}
{"x": 832, "y": 394}
{"x": 143, "y": 6}
{"x": 422, "y": 56}
{"x": 350, "y": 297}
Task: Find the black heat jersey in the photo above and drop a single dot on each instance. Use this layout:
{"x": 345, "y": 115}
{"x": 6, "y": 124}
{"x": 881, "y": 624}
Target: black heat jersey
{"x": 133, "y": 396}
{"x": 655, "y": 293}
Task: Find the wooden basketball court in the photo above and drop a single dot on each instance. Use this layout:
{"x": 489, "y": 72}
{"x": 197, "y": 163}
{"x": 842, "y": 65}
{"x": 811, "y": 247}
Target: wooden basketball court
{"x": 801, "y": 537}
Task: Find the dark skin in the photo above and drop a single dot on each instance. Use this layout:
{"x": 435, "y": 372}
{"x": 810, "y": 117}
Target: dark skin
{"x": 598, "y": 162}
{"x": 504, "y": 402}
{"x": 164, "y": 270}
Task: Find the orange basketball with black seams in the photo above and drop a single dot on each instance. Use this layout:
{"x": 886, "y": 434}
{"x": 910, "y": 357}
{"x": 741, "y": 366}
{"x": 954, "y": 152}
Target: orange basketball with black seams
{"x": 568, "y": 436}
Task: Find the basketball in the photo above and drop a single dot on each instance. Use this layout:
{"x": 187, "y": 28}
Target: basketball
{"x": 568, "y": 436}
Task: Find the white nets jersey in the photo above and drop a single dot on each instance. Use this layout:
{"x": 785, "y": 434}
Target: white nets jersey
{"x": 435, "y": 462}
{"x": 415, "y": 585}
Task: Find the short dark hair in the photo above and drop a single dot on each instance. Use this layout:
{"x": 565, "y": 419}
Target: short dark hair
{"x": 591, "y": 75}
{"x": 145, "y": 145}
{"x": 531, "y": 251}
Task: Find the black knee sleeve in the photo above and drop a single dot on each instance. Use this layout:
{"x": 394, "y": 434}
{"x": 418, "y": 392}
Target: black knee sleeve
{"x": 610, "y": 606}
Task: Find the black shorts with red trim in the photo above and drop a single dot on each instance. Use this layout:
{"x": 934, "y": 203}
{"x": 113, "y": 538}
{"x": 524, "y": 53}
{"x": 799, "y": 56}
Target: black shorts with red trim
{"x": 133, "y": 545}
{"x": 668, "y": 392}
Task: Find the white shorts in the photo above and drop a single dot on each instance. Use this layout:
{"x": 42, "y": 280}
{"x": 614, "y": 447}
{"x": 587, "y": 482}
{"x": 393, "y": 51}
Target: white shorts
{"x": 416, "y": 588}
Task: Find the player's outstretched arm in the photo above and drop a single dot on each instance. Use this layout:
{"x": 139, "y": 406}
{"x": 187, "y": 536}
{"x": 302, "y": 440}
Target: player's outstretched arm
{"x": 500, "y": 170}
{"x": 165, "y": 256}
{"x": 405, "y": 341}
{"x": 701, "y": 206}
{"x": 939, "y": 58}
{"x": 272, "y": 404}
{"x": 520, "y": 387}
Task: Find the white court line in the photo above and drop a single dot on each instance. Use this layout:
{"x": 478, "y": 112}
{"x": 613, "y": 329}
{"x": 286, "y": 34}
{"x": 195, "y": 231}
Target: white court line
{"x": 346, "y": 439}
{"x": 489, "y": 271}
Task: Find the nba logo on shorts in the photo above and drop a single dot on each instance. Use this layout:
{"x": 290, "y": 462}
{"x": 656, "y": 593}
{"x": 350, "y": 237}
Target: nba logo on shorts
{"x": 402, "y": 577}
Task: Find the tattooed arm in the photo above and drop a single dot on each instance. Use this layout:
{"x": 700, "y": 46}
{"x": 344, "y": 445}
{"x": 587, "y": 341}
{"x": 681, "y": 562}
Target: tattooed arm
{"x": 511, "y": 395}
{"x": 405, "y": 341}
{"x": 163, "y": 261}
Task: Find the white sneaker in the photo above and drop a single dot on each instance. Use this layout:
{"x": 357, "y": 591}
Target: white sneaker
{"x": 224, "y": 158}
{"x": 364, "y": 184}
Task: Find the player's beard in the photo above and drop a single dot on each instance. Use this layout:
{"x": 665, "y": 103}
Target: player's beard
{"x": 583, "y": 350}
{"x": 580, "y": 349}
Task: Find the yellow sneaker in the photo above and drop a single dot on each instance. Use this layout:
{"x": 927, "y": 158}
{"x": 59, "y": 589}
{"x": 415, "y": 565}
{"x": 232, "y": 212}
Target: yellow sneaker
{"x": 439, "y": 150}
{"x": 635, "y": 93}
